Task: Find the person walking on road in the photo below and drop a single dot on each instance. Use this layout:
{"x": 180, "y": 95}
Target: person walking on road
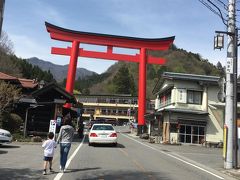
{"x": 65, "y": 138}
{"x": 49, "y": 146}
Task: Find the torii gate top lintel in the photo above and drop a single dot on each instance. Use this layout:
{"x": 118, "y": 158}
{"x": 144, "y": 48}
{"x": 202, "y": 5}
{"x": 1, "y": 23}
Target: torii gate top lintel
{"x": 62, "y": 34}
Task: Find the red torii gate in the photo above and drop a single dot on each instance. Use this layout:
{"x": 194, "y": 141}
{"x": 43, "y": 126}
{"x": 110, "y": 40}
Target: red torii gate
{"x": 143, "y": 44}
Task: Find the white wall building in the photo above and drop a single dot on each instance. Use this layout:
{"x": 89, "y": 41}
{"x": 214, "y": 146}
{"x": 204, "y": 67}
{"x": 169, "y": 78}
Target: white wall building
{"x": 187, "y": 109}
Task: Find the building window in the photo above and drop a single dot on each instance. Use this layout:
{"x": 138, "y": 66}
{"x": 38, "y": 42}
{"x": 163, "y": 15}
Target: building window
{"x": 165, "y": 99}
{"x": 193, "y": 134}
{"x": 89, "y": 111}
{"x": 104, "y": 111}
{"x": 194, "y": 97}
{"x": 113, "y": 101}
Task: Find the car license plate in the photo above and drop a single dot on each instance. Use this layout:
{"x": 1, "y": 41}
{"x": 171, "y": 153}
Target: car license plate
{"x": 103, "y": 136}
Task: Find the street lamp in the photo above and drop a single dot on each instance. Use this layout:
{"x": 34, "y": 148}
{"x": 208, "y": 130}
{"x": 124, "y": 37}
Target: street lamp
{"x": 218, "y": 41}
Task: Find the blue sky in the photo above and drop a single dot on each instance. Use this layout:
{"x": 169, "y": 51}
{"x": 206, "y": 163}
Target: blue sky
{"x": 190, "y": 21}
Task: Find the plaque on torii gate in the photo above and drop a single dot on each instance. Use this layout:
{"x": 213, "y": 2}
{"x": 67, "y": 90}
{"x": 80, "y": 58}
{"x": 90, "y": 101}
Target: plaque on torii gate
{"x": 110, "y": 41}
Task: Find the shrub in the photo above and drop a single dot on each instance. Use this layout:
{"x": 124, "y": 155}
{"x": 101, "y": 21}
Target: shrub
{"x": 12, "y": 122}
{"x": 19, "y": 137}
{"x": 36, "y": 139}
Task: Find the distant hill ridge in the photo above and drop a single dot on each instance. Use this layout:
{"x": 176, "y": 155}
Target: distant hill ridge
{"x": 178, "y": 60}
{"x": 59, "y": 72}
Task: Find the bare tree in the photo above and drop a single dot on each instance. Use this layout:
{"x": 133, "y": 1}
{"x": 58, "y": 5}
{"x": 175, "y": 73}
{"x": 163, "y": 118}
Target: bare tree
{"x": 6, "y": 45}
{"x": 8, "y": 63}
{"x": 8, "y": 95}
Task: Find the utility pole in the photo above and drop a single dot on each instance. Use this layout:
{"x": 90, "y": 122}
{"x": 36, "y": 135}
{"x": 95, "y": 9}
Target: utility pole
{"x": 230, "y": 76}
{"x": 2, "y": 3}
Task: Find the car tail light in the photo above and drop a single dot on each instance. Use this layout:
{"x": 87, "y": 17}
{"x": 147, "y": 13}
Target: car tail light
{"x": 113, "y": 135}
{"x": 93, "y": 135}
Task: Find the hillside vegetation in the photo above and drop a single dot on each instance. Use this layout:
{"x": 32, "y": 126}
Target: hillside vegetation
{"x": 178, "y": 60}
{"x": 18, "y": 67}
{"x": 120, "y": 78}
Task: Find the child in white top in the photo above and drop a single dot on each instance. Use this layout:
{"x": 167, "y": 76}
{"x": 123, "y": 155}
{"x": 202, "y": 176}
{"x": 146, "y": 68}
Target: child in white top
{"x": 49, "y": 146}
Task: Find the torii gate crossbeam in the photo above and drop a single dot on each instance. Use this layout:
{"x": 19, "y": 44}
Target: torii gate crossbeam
{"x": 110, "y": 41}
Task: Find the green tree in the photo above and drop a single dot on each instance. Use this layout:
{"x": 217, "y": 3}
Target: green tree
{"x": 86, "y": 91}
{"x": 133, "y": 90}
{"x": 220, "y": 68}
{"x": 151, "y": 74}
{"x": 123, "y": 82}
{"x": 34, "y": 72}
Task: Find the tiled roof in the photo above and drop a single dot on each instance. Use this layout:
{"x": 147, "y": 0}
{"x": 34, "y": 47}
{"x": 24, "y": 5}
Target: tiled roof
{"x": 193, "y": 77}
{"x": 28, "y": 83}
{"x": 4, "y": 76}
{"x": 25, "y": 83}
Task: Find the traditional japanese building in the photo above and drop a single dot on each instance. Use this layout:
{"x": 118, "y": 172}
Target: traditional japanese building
{"x": 187, "y": 109}
{"x": 43, "y": 105}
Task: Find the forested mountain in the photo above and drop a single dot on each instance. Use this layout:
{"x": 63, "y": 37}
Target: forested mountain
{"x": 178, "y": 60}
{"x": 59, "y": 71}
{"x": 120, "y": 78}
{"x": 12, "y": 65}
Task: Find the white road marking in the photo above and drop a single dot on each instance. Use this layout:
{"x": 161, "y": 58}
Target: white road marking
{"x": 174, "y": 157}
{"x": 59, "y": 175}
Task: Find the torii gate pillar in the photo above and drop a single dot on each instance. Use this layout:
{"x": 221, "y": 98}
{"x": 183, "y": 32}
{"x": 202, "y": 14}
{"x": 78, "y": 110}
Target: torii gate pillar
{"x": 142, "y": 90}
{"x": 72, "y": 68}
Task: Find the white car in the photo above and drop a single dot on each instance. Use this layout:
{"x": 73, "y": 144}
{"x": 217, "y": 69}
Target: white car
{"x": 5, "y": 136}
{"x": 102, "y": 134}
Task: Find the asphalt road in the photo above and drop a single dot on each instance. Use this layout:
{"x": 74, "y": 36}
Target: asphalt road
{"x": 133, "y": 158}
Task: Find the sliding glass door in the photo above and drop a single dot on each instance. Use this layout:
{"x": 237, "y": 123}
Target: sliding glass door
{"x": 193, "y": 134}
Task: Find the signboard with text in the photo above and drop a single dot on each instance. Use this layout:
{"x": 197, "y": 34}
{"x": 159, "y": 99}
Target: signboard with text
{"x": 229, "y": 65}
{"x": 52, "y": 126}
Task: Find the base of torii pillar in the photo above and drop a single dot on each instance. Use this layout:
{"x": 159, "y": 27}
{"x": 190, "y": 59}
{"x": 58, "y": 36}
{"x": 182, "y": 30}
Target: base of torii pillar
{"x": 141, "y": 129}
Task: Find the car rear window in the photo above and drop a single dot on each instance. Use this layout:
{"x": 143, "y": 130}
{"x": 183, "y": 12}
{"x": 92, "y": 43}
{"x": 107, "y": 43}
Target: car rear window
{"x": 101, "y": 127}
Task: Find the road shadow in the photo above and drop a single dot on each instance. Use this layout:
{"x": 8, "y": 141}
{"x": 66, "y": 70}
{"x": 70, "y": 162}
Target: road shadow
{"x": 123, "y": 175}
{"x": 8, "y": 146}
{"x": 77, "y": 170}
{"x": 108, "y": 145}
{"x": 25, "y": 173}
{"x": 124, "y": 131}
{"x": 120, "y": 145}
{"x": 3, "y": 152}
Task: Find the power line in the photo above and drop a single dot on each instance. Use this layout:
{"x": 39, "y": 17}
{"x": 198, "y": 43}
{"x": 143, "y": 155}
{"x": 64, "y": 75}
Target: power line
{"x": 223, "y": 4}
{"x": 218, "y": 12}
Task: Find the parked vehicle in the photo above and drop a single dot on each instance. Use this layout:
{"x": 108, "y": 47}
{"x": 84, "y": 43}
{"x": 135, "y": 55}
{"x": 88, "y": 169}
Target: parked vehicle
{"x": 5, "y": 136}
{"x": 99, "y": 121}
{"x": 111, "y": 121}
{"x": 102, "y": 134}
